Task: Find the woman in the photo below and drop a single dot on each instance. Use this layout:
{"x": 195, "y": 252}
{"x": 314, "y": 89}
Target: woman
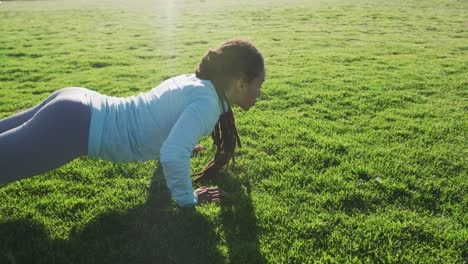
{"x": 166, "y": 122}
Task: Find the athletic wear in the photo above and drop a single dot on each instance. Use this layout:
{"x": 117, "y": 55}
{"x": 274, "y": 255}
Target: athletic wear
{"x": 45, "y": 137}
{"x": 165, "y": 122}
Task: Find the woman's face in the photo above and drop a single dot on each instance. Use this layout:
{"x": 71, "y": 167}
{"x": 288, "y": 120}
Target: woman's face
{"x": 247, "y": 92}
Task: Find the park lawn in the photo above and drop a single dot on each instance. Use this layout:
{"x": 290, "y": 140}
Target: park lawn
{"x": 356, "y": 152}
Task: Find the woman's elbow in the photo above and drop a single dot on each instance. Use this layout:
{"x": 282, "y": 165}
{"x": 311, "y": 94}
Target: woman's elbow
{"x": 170, "y": 153}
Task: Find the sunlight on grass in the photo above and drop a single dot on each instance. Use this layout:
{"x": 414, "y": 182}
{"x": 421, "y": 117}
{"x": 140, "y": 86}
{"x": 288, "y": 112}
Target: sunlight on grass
{"x": 356, "y": 151}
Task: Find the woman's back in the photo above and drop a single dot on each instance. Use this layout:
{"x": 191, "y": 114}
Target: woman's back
{"x": 134, "y": 128}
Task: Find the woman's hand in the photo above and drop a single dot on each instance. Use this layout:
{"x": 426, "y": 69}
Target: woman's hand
{"x": 208, "y": 195}
{"x": 197, "y": 149}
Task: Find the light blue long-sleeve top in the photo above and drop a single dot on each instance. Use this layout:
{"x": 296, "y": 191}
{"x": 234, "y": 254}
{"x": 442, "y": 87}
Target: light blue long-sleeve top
{"x": 165, "y": 122}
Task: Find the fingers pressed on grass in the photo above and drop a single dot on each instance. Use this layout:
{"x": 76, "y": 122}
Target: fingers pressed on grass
{"x": 200, "y": 147}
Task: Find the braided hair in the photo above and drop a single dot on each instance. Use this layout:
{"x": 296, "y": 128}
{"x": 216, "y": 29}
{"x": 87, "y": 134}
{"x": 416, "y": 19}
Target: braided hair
{"x": 233, "y": 59}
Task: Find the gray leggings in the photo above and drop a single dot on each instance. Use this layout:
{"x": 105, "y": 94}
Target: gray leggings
{"x": 46, "y": 136}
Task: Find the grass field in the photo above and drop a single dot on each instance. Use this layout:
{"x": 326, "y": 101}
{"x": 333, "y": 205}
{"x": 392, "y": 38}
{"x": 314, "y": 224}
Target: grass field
{"x": 357, "y": 151}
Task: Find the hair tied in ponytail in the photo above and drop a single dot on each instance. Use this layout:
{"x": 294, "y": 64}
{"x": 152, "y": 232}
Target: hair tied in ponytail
{"x": 232, "y": 59}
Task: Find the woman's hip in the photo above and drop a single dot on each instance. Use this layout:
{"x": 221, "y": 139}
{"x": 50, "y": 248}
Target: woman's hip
{"x": 74, "y": 94}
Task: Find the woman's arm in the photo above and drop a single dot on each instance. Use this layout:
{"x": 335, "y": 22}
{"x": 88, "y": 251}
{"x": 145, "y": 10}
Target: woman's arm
{"x": 197, "y": 149}
{"x": 198, "y": 119}
{"x": 213, "y": 194}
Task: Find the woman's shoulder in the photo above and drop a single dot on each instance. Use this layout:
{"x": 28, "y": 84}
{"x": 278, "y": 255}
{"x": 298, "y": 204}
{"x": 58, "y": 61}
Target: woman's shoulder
{"x": 194, "y": 87}
{"x": 183, "y": 85}
{"x": 191, "y": 80}
{"x": 187, "y": 89}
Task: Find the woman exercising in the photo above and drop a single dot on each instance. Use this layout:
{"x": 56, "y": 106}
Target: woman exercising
{"x": 166, "y": 122}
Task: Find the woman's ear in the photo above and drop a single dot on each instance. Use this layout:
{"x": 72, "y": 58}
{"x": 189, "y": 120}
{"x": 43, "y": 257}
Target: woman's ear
{"x": 242, "y": 81}
{"x": 233, "y": 90}
{"x": 237, "y": 85}
{"x": 242, "y": 84}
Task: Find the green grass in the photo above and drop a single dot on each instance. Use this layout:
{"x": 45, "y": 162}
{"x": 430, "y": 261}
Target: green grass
{"x": 357, "y": 151}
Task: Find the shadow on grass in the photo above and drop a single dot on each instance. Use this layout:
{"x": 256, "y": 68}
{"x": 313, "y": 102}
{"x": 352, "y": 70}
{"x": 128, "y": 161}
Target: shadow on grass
{"x": 154, "y": 232}
{"x": 239, "y": 220}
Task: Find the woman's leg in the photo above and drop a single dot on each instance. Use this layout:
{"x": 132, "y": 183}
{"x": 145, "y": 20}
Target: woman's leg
{"x": 20, "y": 118}
{"x": 55, "y": 135}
